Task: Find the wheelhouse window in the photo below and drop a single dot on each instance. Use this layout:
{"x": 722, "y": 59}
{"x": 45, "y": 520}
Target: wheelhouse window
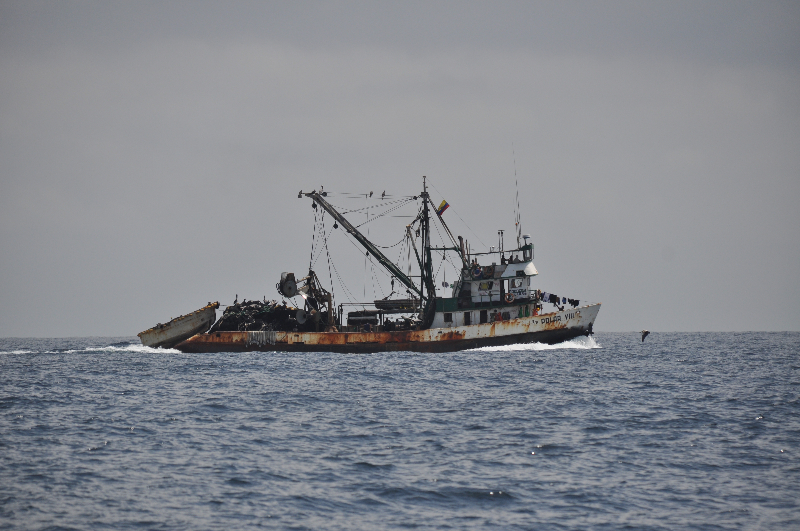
{"x": 527, "y": 254}
{"x": 448, "y": 317}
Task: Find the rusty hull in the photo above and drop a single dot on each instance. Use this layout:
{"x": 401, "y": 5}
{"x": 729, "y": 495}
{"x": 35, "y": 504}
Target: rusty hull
{"x": 547, "y": 328}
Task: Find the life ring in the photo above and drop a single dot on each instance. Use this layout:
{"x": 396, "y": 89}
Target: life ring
{"x": 488, "y": 271}
{"x": 476, "y": 273}
{"x": 509, "y": 297}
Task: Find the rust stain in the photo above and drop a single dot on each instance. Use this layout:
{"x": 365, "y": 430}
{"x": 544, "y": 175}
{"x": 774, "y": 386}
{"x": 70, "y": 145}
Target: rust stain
{"x": 451, "y": 335}
{"x": 329, "y": 338}
{"x": 220, "y": 337}
{"x": 557, "y": 325}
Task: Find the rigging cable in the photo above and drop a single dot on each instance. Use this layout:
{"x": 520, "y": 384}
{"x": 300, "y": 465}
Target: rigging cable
{"x": 444, "y": 256}
{"x": 324, "y": 237}
{"x": 329, "y": 262}
{"x": 313, "y": 234}
{"x": 366, "y": 200}
{"x": 344, "y": 286}
{"x": 344, "y": 210}
{"x": 374, "y": 279}
{"x": 345, "y": 290}
{"x": 373, "y": 218}
{"x": 390, "y": 246}
{"x": 459, "y": 217}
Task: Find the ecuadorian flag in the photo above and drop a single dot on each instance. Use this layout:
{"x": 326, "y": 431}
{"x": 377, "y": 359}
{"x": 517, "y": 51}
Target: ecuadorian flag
{"x": 444, "y": 206}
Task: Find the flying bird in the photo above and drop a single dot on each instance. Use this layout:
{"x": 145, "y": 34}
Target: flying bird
{"x": 645, "y": 333}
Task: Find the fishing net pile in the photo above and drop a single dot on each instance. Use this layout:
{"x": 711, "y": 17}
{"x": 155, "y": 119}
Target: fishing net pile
{"x": 254, "y": 316}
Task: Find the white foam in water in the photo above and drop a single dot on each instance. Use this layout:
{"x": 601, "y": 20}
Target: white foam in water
{"x": 580, "y": 343}
{"x": 128, "y": 348}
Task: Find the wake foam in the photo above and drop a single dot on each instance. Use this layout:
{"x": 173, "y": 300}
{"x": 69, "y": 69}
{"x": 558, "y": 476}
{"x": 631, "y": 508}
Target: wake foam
{"x": 127, "y": 348}
{"x": 133, "y": 348}
{"x": 579, "y": 343}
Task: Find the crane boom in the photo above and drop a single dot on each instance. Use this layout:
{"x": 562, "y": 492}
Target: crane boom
{"x": 371, "y": 249}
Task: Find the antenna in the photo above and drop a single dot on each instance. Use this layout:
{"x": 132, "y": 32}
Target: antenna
{"x": 500, "y": 241}
{"x": 517, "y": 218}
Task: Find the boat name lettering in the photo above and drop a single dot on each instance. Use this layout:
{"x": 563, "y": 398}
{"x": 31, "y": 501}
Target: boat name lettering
{"x": 557, "y": 318}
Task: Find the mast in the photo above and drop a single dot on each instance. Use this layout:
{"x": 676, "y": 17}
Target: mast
{"x": 371, "y": 249}
{"x": 427, "y": 262}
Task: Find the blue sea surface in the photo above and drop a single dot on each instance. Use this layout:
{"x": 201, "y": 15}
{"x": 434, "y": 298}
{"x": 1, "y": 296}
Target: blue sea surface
{"x": 683, "y": 431}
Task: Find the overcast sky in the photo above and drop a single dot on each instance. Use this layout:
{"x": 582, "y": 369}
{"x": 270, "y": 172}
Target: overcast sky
{"x": 151, "y": 152}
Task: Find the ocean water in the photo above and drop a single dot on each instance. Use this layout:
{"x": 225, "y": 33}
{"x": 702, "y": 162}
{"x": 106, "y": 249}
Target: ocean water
{"x": 683, "y": 431}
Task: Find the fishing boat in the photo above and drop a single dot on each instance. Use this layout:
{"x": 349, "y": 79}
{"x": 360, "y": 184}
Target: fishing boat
{"x": 494, "y": 301}
{"x": 169, "y": 334}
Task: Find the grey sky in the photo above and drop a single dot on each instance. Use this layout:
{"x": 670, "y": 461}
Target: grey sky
{"x": 152, "y": 152}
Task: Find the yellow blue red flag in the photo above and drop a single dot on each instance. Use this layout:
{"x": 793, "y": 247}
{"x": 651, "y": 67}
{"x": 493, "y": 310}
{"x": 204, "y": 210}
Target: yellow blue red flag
{"x": 444, "y": 206}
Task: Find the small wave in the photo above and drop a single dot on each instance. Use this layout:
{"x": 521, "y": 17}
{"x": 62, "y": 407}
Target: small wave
{"x": 476, "y": 494}
{"x": 364, "y": 464}
{"x": 17, "y": 352}
{"x": 581, "y": 343}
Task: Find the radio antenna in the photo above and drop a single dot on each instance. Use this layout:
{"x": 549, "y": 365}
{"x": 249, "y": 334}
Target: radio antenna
{"x": 517, "y": 217}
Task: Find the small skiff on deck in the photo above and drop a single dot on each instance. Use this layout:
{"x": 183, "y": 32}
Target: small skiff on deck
{"x": 181, "y": 328}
